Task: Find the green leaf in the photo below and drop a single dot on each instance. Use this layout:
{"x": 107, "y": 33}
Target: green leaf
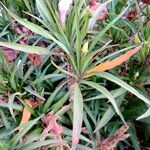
{"x": 64, "y": 71}
{"x": 25, "y": 48}
{"x": 27, "y": 74}
{"x": 33, "y": 138}
{"x": 77, "y": 115}
{"x": 13, "y": 80}
{"x": 51, "y": 98}
{"x": 5, "y": 120}
{"x": 105, "y": 92}
{"x": 145, "y": 115}
{"x": 133, "y": 137}
{"x": 39, "y": 144}
{"x": 86, "y": 60}
{"x": 123, "y": 84}
{"x": 11, "y": 99}
{"x": 20, "y": 134}
{"x": 14, "y": 107}
{"x": 60, "y": 103}
{"x": 83, "y": 147}
{"x": 64, "y": 109}
{"x": 90, "y": 114}
{"x": 78, "y": 39}
{"x": 2, "y": 147}
{"x": 46, "y": 77}
{"x": 109, "y": 113}
{"x": 33, "y": 92}
{"x": 43, "y": 7}
{"x": 116, "y": 93}
{"x": 36, "y": 29}
{"x": 4, "y": 61}
{"x": 68, "y": 132}
{"x": 99, "y": 36}
{"x": 27, "y": 3}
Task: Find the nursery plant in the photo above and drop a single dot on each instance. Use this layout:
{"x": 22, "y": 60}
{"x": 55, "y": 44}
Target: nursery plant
{"x": 60, "y": 86}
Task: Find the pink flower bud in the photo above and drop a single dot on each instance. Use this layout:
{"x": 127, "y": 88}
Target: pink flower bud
{"x": 22, "y": 42}
{"x": 143, "y": 18}
{"x": 64, "y": 6}
{"x": 2, "y": 101}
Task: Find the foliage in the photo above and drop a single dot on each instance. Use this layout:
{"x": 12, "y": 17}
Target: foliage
{"x": 69, "y": 84}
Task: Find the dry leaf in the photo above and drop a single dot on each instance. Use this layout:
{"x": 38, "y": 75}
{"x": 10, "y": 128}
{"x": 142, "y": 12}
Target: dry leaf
{"x": 52, "y": 126}
{"x": 26, "y": 113}
{"x": 37, "y": 60}
{"x": 111, "y": 141}
{"x": 113, "y": 63}
{"x": 131, "y": 15}
{"x": 10, "y": 54}
{"x": 146, "y": 1}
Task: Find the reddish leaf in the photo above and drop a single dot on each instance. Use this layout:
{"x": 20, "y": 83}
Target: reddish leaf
{"x": 146, "y": 1}
{"x": 131, "y": 15}
{"x": 94, "y": 6}
{"x": 10, "y": 54}
{"x": 2, "y": 101}
{"x": 26, "y": 113}
{"x": 52, "y": 126}
{"x": 112, "y": 64}
{"x": 111, "y": 142}
{"x": 37, "y": 60}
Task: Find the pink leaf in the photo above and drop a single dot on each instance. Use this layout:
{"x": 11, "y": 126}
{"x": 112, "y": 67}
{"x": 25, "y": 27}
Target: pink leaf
{"x": 111, "y": 141}
{"x": 94, "y": 6}
{"x": 10, "y": 54}
{"x": 52, "y": 126}
{"x": 2, "y": 101}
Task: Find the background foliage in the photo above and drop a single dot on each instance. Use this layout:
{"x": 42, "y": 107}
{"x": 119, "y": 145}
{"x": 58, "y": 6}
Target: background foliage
{"x": 73, "y": 85}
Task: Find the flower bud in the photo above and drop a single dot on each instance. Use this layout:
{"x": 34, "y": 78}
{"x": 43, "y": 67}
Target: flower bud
{"x": 64, "y": 6}
{"x": 85, "y": 49}
{"x": 136, "y": 39}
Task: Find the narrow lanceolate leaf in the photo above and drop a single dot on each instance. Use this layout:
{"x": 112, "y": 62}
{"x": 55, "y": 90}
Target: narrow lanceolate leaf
{"x": 97, "y": 13}
{"x": 105, "y": 92}
{"x": 11, "y": 103}
{"x": 5, "y": 120}
{"x": 123, "y": 84}
{"x": 26, "y": 113}
{"x": 25, "y": 48}
{"x": 145, "y": 115}
{"x": 114, "y": 63}
{"x": 36, "y": 29}
{"x": 110, "y": 112}
{"x": 21, "y": 134}
{"x": 100, "y": 35}
{"x": 78, "y": 115}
